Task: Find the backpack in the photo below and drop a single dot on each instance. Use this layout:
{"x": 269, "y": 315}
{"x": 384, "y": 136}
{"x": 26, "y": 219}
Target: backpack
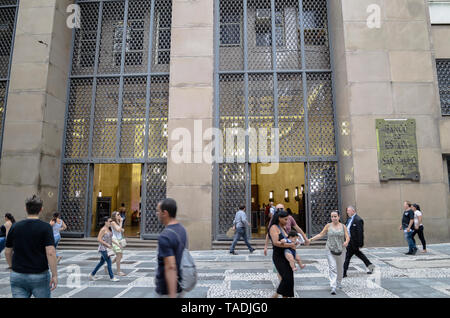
{"x": 188, "y": 271}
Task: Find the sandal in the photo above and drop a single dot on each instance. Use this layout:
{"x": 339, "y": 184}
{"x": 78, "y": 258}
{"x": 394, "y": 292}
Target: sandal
{"x": 121, "y": 274}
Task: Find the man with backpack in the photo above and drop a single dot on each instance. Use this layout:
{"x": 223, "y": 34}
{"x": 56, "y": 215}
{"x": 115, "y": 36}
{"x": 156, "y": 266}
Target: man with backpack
{"x": 176, "y": 272}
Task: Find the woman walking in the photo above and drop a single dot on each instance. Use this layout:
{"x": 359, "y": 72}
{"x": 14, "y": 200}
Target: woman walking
{"x": 57, "y": 225}
{"x": 337, "y": 242}
{"x": 418, "y": 226}
{"x": 117, "y": 240}
{"x": 4, "y": 229}
{"x": 105, "y": 241}
{"x": 278, "y": 233}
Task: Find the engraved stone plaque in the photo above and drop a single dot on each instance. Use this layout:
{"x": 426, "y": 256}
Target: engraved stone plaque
{"x": 398, "y": 158}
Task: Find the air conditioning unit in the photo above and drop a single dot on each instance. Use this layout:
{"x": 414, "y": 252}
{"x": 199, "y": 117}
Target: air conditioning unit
{"x": 263, "y": 14}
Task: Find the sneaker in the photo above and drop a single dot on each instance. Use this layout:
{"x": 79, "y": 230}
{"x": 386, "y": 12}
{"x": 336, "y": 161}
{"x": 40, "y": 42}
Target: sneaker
{"x": 114, "y": 279}
{"x": 415, "y": 251}
{"x": 91, "y": 277}
{"x": 371, "y": 267}
{"x": 345, "y": 275}
{"x": 252, "y": 250}
{"x": 409, "y": 253}
{"x": 234, "y": 253}
{"x": 339, "y": 286}
{"x": 333, "y": 291}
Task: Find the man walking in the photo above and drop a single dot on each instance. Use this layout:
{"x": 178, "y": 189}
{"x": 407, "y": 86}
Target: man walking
{"x": 171, "y": 244}
{"x": 240, "y": 224}
{"x": 30, "y": 250}
{"x": 355, "y": 227}
{"x": 407, "y": 223}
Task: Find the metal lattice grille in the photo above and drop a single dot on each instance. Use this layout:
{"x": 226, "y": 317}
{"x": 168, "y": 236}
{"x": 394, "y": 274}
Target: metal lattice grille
{"x": 291, "y": 116}
{"x": 323, "y": 191}
{"x": 117, "y": 108}
{"x": 273, "y": 71}
{"x": 158, "y": 118}
{"x": 261, "y": 112}
{"x": 8, "y": 12}
{"x": 448, "y": 171}
{"x": 156, "y": 176}
{"x": 232, "y": 109}
{"x": 85, "y": 40}
{"x": 77, "y": 130}
{"x": 74, "y": 196}
{"x": 7, "y": 25}
{"x": 3, "y": 86}
{"x": 105, "y": 118}
{"x": 232, "y": 193}
{"x": 133, "y": 118}
{"x": 443, "y": 71}
{"x": 320, "y": 115}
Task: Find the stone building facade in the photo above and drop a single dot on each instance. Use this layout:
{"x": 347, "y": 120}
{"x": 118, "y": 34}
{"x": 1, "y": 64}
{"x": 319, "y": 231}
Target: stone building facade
{"x": 95, "y": 110}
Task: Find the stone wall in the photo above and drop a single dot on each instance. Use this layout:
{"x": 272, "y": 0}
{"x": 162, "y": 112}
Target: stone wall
{"x": 191, "y": 103}
{"x": 387, "y": 72}
{"x": 36, "y": 105}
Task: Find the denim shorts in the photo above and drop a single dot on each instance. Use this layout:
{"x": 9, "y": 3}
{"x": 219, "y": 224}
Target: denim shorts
{"x": 26, "y": 285}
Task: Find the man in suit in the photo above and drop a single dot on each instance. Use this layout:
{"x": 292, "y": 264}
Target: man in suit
{"x": 355, "y": 226}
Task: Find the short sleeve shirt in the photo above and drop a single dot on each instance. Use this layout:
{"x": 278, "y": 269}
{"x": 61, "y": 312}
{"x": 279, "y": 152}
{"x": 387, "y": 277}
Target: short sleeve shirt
{"x": 290, "y": 223}
{"x": 28, "y": 239}
{"x": 407, "y": 217}
{"x": 169, "y": 244}
{"x": 416, "y": 217}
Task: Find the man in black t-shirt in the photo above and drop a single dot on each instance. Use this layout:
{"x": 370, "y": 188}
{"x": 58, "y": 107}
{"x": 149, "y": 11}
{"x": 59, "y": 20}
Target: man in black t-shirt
{"x": 30, "y": 249}
{"x": 407, "y": 223}
{"x": 171, "y": 244}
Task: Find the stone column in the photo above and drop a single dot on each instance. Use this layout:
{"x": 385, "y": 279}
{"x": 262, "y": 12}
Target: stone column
{"x": 387, "y": 72}
{"x": 36, "y": 105}
{"x": 191, "y": 109}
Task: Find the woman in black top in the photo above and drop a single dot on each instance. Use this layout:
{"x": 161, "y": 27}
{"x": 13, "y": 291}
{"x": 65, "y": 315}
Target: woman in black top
{"x": 4, "y": 229}
{"x": 277, "y": 233}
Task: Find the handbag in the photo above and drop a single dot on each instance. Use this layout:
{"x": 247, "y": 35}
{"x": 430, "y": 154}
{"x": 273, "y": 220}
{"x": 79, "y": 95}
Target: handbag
{"x": 123, "y": 242}
{"x": 230, "y": 233}
{"x": 336, "y": 253}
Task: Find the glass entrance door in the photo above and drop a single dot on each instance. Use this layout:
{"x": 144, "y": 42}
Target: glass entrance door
{"x": 117, "y": 187}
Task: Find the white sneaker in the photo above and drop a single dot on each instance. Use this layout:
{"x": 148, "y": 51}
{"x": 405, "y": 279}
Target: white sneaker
{"x": 370, "y": 268}
{"x": 333, "y": 291}
{"x": 93, "y": 278}
{"x": 115, "y": 279}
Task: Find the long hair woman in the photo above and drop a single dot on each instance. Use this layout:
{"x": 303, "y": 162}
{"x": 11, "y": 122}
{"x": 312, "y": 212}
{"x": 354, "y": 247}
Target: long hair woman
{"x": 277, "y": 233}
{"x": 104, "y": 239}
{"x": 4, "y": 229}
{"x": 117, "y": 239}
{"x": 57, "y": 225}
{"x": 418, "y": 226}
{"x": 337, "y": 241}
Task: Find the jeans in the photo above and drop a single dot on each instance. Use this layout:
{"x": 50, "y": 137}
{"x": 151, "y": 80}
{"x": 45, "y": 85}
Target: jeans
{"x": 336, "y": 268}
{"x": 57, "y": 239}
{"x": 240, "y": 232}
{"x": 25, "y": 285}
{"x": 2, "y": 243}
{"x": 107, "y": 259}
{"x": 409, "y": 239}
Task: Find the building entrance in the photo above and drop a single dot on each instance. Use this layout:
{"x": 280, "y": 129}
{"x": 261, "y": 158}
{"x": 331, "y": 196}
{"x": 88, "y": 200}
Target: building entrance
{"x": 117, "y": 187}
{"x": 286, "y": 187}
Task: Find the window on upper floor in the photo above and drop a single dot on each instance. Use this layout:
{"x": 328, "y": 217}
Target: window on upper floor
{"x": 443, "y": 72}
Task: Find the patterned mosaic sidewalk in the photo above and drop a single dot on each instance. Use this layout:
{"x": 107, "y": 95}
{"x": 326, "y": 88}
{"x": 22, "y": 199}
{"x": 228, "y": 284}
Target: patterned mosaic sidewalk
{"x": 251, "y": 275}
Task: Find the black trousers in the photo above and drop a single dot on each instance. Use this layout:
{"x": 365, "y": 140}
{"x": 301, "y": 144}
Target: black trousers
{"x": 351, "y": 250}
{"x": 286, "y": 287}
{"x": 421, "y": 237}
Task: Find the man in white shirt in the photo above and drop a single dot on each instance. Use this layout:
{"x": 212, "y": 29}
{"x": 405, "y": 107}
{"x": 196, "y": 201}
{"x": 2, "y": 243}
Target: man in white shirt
{"x": 240, "y": 224}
